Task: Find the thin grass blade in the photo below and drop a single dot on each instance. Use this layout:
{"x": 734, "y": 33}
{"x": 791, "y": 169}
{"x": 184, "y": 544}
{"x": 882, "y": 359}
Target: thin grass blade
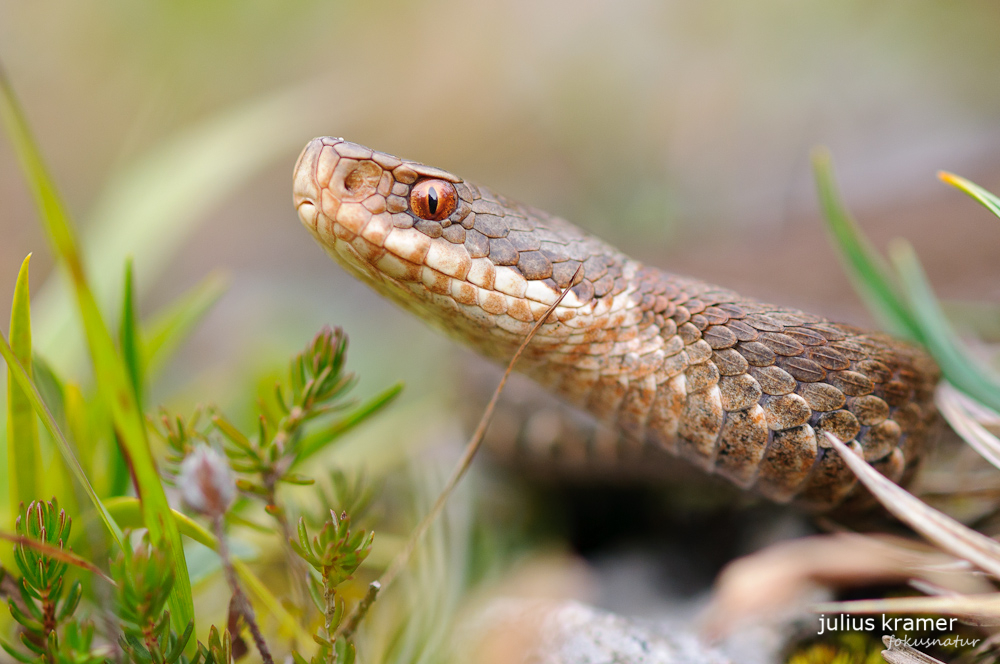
{"x": 866, "y": 268}
{"x": 172, "y": 325}
{"x": 130, "y": 344}
{"x": 942, "y": 530}
{"x": 50, "y": 387}
{"x": 963, "y": 371}
{"x": 981, "y": 319}
{"x": 974, "y": 609}
{"x": 24, "y": 382}
{"x": 898, "y": 651}
{"x": 966, "y": 426}
{"x": 24, "y": 456}
{"x": 57, "y": 476}
{"x": 155, "y": 203}
{"x": 990, "y": 201}
{"x": 982, "y": 414}
{"x": 458, "y": 472}
{"x": 109, "y": 369}
{"x": 129, "y": 338}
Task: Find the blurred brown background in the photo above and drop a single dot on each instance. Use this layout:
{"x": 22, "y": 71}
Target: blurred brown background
{"x": 679, "y": 131}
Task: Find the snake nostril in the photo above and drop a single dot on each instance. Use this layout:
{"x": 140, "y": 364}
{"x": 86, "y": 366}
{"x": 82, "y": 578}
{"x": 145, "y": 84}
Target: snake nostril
{"x": 363, "y": 180}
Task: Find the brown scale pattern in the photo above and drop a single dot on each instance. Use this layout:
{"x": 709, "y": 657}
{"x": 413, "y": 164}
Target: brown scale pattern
{"x": 738, "y": 387}
{"x": 755, "y": 408}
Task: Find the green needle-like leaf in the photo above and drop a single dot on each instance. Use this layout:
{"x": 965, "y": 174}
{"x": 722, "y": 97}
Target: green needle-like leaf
{"x": 989, "y": 201}
{"x": 16, "y": 654}
{"x": 127, "y": 511}
{"x": 110, "y": 371}
{"x": 865, "y": 266}
{"x": 961, "y": 370}
{"x": 24, "y": 457}
{"x": 315, "y": 442}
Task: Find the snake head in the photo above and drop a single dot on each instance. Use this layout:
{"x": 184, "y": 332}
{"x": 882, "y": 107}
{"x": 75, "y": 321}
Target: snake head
{"x": 345, "y": 191}
{"x": 474, "y": 263}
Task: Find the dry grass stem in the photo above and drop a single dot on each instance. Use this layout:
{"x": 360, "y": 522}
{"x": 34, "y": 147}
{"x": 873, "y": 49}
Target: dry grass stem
{"x": 403, "y": 557}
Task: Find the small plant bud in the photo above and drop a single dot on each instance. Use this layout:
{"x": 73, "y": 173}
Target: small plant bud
{"x": 206, "y": 481}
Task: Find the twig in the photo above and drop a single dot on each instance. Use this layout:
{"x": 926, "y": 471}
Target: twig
{"x": 475, "y": 442}
{"x": 240, "y": 599}
{"x": 359, "y": 613}
{"x": 297, "y": 571}
{"x": 58, "y": 553}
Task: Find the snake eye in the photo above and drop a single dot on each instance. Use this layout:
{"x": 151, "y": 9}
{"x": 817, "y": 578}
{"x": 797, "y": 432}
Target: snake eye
{"x": 433, "y": 199}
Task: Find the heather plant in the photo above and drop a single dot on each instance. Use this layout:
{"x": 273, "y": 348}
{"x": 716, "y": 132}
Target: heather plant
{"x": 125, "y": 587}
{"x": 141, "y": 610}
{"x": 44, "y": 605}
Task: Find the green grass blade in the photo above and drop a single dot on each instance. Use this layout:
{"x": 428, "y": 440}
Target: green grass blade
{"x": 128, "y": 336}
{"x": 315, "y": 442}
{"x": 988, "y": 200}
{"x": 130, "y": 343}
{"x": 864, "y": 265}
{"x": 88, "y": 421}
{"x": 31, "y": 392}
{"x": 980, "y": 319}
{"x": 157, "y": 202}
{"x": 57, "y": 476}
{"x": 962, "y": 370}
{"x": 24, "y": 456}
{"x": 50, "y": 387}
{"x": 171, "y": 326}
{"x": 109, "y": 369}
{"x": 127, "y": 511}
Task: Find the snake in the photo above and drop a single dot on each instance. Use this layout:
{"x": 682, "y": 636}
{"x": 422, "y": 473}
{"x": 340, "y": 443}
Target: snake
{"x": 739, "y": 388}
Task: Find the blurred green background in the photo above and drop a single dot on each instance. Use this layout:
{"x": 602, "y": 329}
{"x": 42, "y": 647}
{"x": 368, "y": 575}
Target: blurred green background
{"x": 679, "y": 131}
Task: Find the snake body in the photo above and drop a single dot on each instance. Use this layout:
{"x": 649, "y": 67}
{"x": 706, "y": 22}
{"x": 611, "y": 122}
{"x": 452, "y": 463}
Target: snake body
{"x": 737, "y": 387}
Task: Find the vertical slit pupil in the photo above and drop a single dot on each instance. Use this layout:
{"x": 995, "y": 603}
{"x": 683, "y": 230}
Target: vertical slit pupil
{"x": 432, "y": 200}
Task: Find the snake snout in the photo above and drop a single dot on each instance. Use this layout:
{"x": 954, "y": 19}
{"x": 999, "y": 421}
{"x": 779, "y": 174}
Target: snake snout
{"x": 305, "y": 190}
